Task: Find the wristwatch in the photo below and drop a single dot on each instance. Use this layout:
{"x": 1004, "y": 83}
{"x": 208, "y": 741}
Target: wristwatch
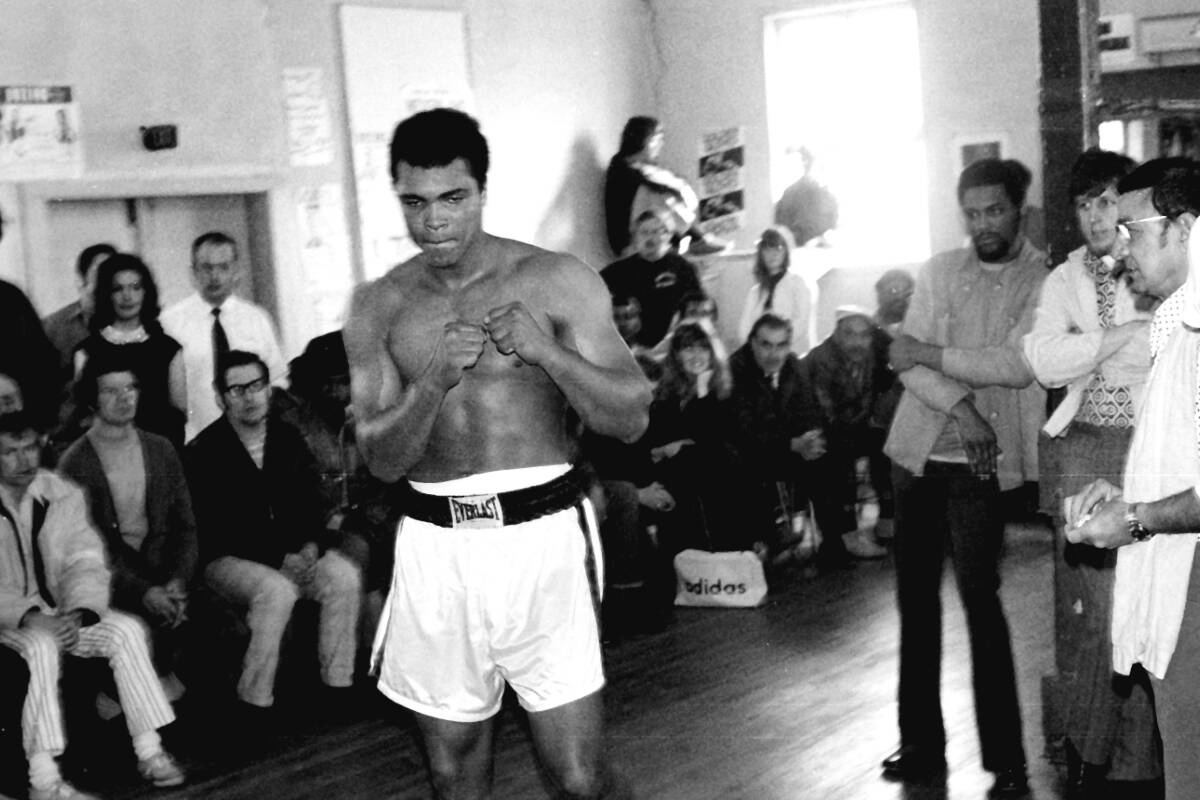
{"x": 1137, "y": 531}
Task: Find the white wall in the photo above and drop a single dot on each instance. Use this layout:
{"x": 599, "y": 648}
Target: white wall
{"x": 979, "y": 69}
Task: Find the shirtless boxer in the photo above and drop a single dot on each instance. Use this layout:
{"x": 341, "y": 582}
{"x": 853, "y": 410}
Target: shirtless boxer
{"x": 471, "y": 365}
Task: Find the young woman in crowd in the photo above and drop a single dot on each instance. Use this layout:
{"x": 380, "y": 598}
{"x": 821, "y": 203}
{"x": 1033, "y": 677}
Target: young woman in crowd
{"x": 775, "y": 289}
{"x": 126, "y": 317}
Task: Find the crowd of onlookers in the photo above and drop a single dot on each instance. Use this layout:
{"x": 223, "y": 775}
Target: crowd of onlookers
{"x": 169, "y": 490}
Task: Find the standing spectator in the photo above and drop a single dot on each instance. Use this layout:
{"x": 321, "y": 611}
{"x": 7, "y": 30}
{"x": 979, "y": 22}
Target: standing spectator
{"x": 850, "y": 377}
{"x": 1089, "y": 336}
{"x": 69, "y": 326}
{"x": 125, "y": 326}
{"x": 256, "y": 493}
{"x": 139, "y": 501}
{"x": 635, "y": 182}
{"x": 656, "y": 276}
{"x": 214, "y": 321}
{"x": 777, "y": 291}
{"x": 807, "y": 208}
{"x": 1153, "y": 518}
{"x": 54, "y": 600}
{"x": 963, "y": 432}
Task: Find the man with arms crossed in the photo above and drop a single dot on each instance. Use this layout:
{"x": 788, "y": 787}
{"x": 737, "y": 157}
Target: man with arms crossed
{"x": 1156, "y": 592}
{"x": 468, "y": 366}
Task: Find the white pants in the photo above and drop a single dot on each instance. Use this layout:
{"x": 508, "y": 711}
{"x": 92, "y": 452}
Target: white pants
{"x": 118, "y": 637}
{"x": 269, "y": 597}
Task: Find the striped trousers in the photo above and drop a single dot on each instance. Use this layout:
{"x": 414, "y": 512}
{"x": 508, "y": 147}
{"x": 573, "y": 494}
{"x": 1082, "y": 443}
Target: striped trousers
{"x": 118, "y": 637}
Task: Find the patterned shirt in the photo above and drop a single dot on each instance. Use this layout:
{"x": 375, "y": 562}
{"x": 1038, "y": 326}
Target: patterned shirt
{"x": 1104, "y": 403}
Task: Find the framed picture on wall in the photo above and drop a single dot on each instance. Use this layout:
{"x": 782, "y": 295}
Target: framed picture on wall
{"x": 969, "y": 148}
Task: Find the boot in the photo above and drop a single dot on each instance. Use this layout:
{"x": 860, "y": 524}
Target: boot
{"x": 860, "y": 544}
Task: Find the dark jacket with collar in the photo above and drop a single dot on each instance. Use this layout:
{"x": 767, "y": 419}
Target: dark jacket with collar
{"x": 250, "y": 513}
{"x": 169, "y": 550}
{"x": 765, "y": 419}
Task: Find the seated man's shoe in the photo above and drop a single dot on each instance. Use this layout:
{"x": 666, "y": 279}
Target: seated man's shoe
{"x": 161, "y": 770}
{"x": 912, "y": 763}
{"x": 860, "y": 545}
{"x": 60, "y": 791}
{"x": 1010, "y": 783}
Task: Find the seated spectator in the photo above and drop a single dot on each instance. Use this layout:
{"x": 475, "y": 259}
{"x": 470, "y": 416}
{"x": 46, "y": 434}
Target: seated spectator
{"x": 631, "y": 502}
{"x": 256, "y": 493}
{"x": 636, "y": 182}
{"x": 361, "y": 511}
{"x": 850, "y": 377}
{"x": 69, "y": 326}
{"x": 125, "y": 321}
{"x": 656, "y": 276}
{"x": 687, "y": 443}
{"x": 777, "y": 433}
{"x": 627, "y": 316}
{"x": 893, "y": 291}
{"x": 808, "y": 208}
{"x": 140, "y": 504}
{"x": 10, "y": 395}
{"x": 54, "y": 599}
{"x": 700, "y": 309}
{"x": 782, "y": 293}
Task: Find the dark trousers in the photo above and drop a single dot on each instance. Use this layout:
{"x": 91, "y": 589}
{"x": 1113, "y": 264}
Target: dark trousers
{"x": 949, "y": 509}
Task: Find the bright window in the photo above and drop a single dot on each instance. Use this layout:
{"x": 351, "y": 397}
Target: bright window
{"x": 845, "y": 82}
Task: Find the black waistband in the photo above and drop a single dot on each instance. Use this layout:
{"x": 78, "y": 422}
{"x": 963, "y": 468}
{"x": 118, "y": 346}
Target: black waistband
{"x": 495, "y": 510}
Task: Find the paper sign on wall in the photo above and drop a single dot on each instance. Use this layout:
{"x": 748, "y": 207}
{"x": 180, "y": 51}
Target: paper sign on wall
{"x": 722, "y": 189}
{"x": 39, "y": 133}
{"x": 309, "y": 125}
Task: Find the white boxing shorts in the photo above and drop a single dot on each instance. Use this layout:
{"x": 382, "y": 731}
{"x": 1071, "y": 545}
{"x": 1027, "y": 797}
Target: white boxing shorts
{"x": 497, "y": 580}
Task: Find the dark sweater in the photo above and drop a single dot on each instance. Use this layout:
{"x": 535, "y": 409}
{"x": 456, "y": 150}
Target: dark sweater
{"x": 250, "y": 513}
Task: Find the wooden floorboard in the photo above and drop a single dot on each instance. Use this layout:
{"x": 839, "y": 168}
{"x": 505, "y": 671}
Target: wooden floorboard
{"x": 795, "y": 699}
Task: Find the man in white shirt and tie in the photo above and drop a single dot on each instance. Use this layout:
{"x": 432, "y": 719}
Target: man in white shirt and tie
{"x": 213, "y": 321}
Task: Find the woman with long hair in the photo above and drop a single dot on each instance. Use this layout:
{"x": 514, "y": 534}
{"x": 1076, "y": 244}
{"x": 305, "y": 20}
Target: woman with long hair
{"x": 689, "y": 445}
{"x": 125, "y": 318}
{"x": 775, "y": 289}
{"x": 636, "y": 182}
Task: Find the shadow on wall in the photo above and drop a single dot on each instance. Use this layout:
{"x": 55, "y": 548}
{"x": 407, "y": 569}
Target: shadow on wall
{"x": 575, "y": 222}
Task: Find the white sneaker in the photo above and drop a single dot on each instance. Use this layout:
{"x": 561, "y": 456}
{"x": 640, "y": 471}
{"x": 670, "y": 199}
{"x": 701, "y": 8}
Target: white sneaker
{"x": 860, "y": 545}
{"x": 161, "y": 770}
{"x": 60, "y": 791}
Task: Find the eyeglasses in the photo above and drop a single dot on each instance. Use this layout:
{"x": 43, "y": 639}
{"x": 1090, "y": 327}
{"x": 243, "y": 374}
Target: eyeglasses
{"x": 1123, "y": 227}
{"x": 119, "y": 391}
{"x": 240, "y": 390}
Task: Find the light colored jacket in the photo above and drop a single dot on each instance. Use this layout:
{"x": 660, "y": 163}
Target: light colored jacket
{"x": 1063, "y": 345}
{"x": 74, "y": 568}
{"x": 979, "y": 318}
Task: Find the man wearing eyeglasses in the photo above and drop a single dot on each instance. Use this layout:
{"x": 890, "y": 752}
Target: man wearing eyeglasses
{"x": 256, "y": 492}
{"x": 1154, "y": 517}
{"x": 965, "y": 429}
{"x": 1090, "y": 336}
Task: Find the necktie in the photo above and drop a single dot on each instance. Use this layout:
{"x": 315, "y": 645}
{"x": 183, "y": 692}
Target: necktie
{"x": 220, "y": 342}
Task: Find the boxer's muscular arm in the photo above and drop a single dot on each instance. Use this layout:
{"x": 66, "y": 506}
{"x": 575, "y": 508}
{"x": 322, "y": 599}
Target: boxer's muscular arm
{"x": 585, "y": 356}
{"x": 394, "y": 417}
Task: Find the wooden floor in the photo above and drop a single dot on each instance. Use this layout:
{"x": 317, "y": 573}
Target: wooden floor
{"x": 792, "y": 700}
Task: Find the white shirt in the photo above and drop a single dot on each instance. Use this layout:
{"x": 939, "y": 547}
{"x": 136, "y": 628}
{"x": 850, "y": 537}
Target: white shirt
{"x": 792, "y": 301}
{"x": 247, "y": 326}
{"x": 1061, "y": 347}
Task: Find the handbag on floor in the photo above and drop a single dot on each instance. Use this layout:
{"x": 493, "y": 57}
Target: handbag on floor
{"x": 733, "y": 579}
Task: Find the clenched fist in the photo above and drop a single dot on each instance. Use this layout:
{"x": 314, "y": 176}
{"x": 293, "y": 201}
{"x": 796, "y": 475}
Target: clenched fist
{"x": 514, "y": 330}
